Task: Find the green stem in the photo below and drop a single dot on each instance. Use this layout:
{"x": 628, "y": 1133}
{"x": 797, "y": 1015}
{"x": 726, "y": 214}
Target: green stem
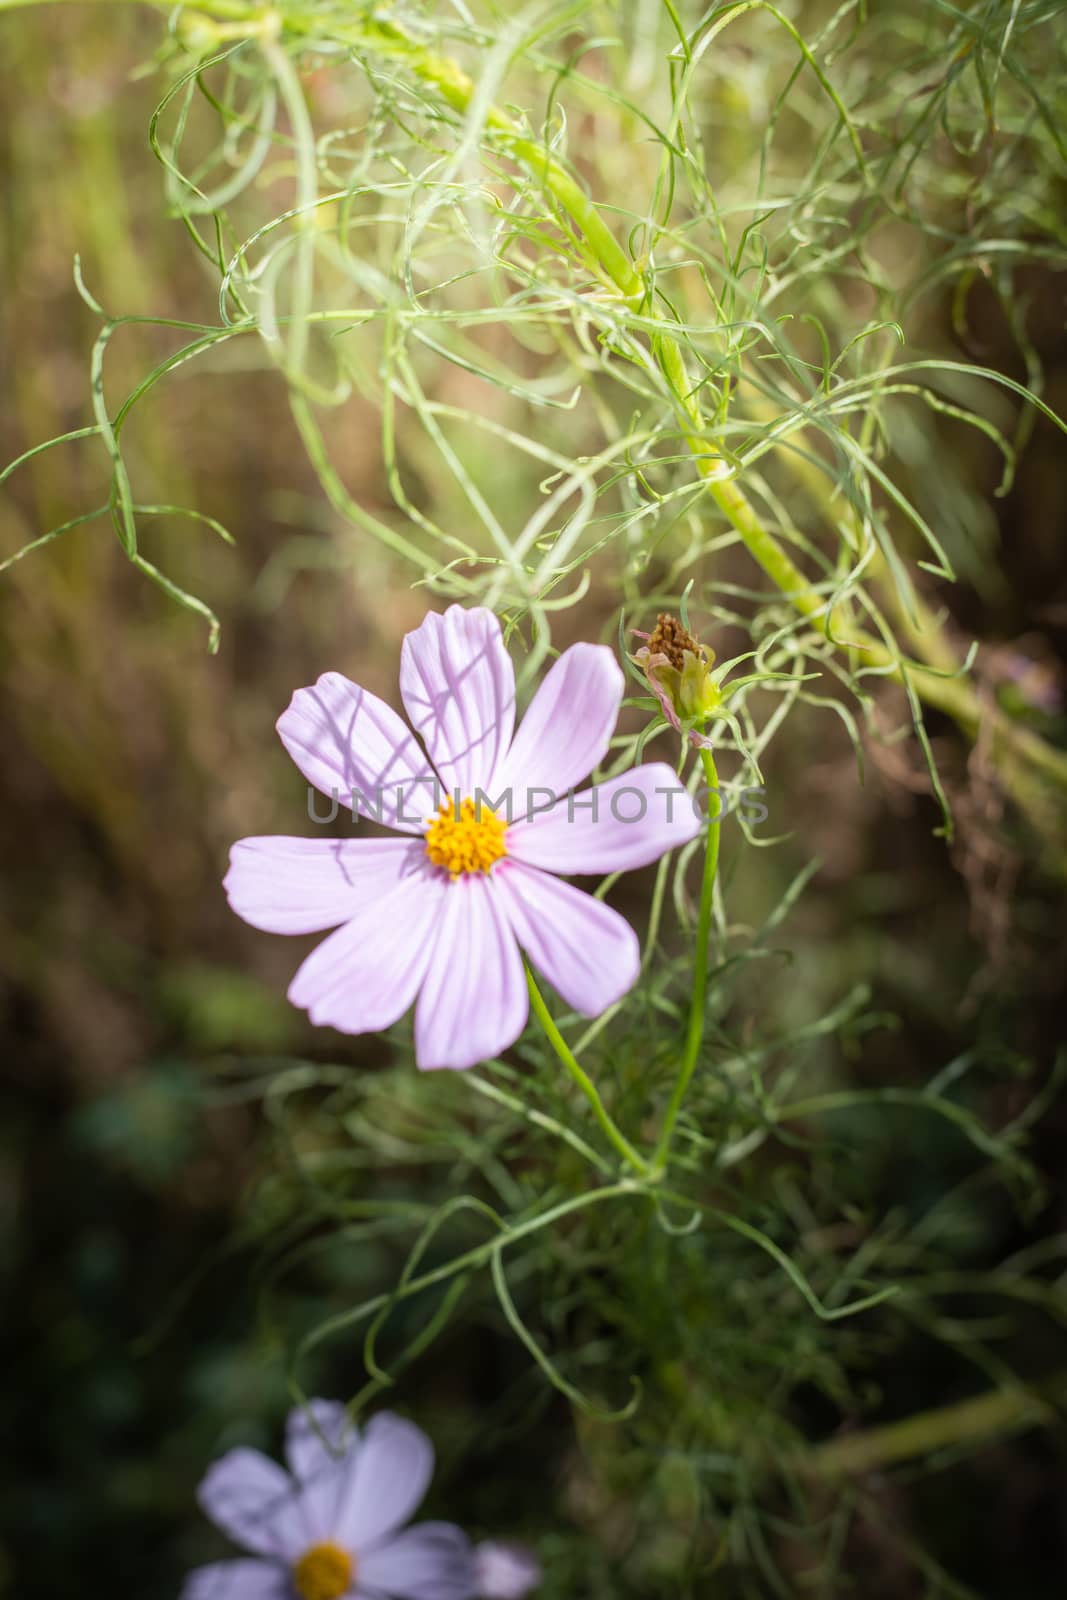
{"x": 583, "y": 1080}
{"x": 985, "y": 1416}
{"x": 1022, "y": 756}
{"x": 694, "y": 1035}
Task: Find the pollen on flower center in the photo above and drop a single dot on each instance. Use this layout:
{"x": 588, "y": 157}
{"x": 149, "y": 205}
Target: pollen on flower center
{"x": 325, "y": 1572}
{"x": 471, "y": 840}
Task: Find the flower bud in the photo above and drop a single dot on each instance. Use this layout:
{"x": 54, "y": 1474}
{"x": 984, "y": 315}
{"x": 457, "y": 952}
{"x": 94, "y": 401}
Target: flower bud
{"x": 678, "y": 669}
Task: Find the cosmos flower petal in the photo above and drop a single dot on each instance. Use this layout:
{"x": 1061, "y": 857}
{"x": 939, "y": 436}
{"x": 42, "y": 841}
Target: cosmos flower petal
{"x": 252, "y": 1500}
{"x": 431, "y": 1561}
{"x": 287, "y": 885}
{"x": 505, "y": 1571}
{"x": 238, "y": 1580}
{"x": 567, "y": 726}
{"x": 613, "y": 827}
{"x": 320, "y": 1446}
{"x": 348, "y": 742}
{"x": 316, "y": 1432}
{"x": 367, "y": 974}
{"x": 385, "y": 1483}
{"x": 589, "y": 954}
{"x": 458, "y": 688}
{"x": 474, "y": 1002}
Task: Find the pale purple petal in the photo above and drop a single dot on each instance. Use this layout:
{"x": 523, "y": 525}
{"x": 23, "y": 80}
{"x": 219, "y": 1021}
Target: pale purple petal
{"x": 386, "y": 1481}
{"x": 432, "y": 1561}
{"x": 320, "y": 1431}
{"x": 567, "y": 726}
{"x": 321, "y": 1445}
{"x": 588, "y": 953}
{"x": 627, "y": 822}
{"x": 367, "y": 974}
{"x": 287, "y": 885}
{"x": 252, "y": 1500}
{"x": 473, "y": 1003}
{"x": 505, "y": 1571}
{"x": 349, "y": 743}
{"x": 458, "y": 688}
{"x": 238, "y": 1580}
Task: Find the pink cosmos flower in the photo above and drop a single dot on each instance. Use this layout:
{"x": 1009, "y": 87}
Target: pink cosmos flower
{"x": 332, "y": 1527}
{"x": 437, "y": 917}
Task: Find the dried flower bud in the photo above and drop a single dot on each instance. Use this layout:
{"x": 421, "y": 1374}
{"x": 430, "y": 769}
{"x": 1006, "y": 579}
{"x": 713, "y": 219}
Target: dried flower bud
{"x": 678, "y": 668}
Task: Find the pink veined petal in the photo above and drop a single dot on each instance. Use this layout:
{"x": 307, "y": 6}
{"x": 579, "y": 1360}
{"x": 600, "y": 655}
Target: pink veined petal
{"x": 473, "y": 1002}
{"x": 385, "y": 1482}
{"x": 367, "y": 974}
{"x": 431, "y": 1561}
{"x": 458, "y": 688}
{"x": 614, "y": 827}
{"x": 567, "y": 726}
{"x": 287, "y": 885}
{"x": 321, "y": 1446}
{"x": 252, "y": 1500}
{"x": 348, "y": 742}
{"x": 238, "y": 1580}
{"x": 589, "y": 954}
{"x": 505, "y": 1571}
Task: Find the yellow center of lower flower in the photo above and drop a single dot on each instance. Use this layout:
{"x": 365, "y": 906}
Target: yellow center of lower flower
{"x": 468, "y": 841}
{"x": 324, "y": 1572}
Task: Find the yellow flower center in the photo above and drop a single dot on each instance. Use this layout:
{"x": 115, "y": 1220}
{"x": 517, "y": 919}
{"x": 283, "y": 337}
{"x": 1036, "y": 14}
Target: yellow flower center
{"x": 324, "y": 1572}
{"x": 468, "y": 841}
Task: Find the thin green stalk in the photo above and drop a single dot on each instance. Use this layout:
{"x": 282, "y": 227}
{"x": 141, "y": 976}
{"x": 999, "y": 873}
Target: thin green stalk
{"x": 584, "y": 1081}
{"x": 695, "y": 1031}
{"x": 307, "y": 193}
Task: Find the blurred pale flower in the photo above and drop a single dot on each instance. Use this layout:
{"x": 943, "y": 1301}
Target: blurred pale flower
{"x": 1034, "y": 679}
{"x": 332, "y": 1527}
{"x": 437, "y": 918}
{"x": 505, "y": 1571}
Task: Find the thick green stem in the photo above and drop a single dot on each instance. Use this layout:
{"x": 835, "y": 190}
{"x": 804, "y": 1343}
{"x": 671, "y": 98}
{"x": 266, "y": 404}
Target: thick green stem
{"x": 583, "y": 1080}
{"x": 698, "y": 1002}
{"x": 1021, "y": 755}
{"x": 984, "y": 1417}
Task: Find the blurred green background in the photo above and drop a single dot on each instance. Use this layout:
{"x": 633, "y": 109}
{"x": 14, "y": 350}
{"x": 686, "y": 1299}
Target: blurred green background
{"x": 139, "y": 1175}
